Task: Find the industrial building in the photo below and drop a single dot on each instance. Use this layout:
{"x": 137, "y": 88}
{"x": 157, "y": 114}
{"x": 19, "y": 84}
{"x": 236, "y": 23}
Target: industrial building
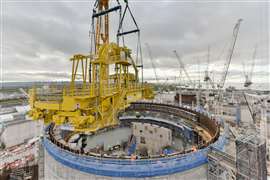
{"x": 15, "y": 120}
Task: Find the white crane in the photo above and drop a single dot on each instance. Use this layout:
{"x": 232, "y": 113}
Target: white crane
{"x": 152, "y": 60}
{"x": 182, "y": 66}
{"x": 220, "y": 85}
{"x": 230, "y": 54}
{"x": 207, "y": 78}
{"x": 248, "y": 75}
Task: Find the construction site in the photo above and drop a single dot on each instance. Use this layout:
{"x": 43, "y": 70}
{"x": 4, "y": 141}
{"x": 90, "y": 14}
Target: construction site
{"x": 110, "y": 123}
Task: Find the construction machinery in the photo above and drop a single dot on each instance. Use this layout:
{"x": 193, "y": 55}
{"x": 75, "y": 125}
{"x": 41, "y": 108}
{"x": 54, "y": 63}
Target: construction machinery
{"x": 182, "y": 66}
{"x": 164, "y": 84}
{"x": 220, "y": 85}
{"x": 248, "y": 75}
{"x": 103, "y": 82}
{"x": 230, "y": 54}
{"x": 152, "y": 60}
{"x": 207, "y": 77}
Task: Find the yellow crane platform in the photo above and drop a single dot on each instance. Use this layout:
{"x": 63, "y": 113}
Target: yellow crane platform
{"x": 102, "y": 83}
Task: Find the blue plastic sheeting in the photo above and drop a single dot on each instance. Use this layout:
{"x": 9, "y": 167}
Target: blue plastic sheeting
{"x": 131, "y": 168}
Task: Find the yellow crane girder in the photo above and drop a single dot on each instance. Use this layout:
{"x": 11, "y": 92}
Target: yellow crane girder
{"x": 92, "y": 105}
{"x": 108, "y": 84}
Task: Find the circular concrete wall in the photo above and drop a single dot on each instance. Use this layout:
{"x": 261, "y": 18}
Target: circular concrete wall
{"x": 61, "y": 163}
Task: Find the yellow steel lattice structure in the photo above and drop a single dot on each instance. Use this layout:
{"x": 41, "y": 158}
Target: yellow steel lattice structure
{"x": 108, "y": 84}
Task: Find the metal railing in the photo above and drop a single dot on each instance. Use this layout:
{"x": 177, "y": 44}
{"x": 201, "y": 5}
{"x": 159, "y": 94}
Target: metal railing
{"x": 56, "y": 93}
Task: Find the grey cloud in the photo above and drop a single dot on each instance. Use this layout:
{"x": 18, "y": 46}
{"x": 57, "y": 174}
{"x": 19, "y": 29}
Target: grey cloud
{"x": 37, "y": 76}
{"x": 59, "y": 29}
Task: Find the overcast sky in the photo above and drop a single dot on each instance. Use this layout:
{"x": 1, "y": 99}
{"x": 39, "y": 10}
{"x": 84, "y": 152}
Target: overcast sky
{"x": 38, "y": 37}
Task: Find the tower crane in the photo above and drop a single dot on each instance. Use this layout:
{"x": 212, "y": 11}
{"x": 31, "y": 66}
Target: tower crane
{"x": 182, "y": 66}
{"x": 248, "y": 75}
{"x": 152, "y": 61}
{"x": 230, "y": 54}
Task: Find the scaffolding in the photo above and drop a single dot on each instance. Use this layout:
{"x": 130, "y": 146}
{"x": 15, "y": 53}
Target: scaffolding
{"x": 24, "y": 173}
{"x": 221, "y": 166}
{"x": 251, "y": 158}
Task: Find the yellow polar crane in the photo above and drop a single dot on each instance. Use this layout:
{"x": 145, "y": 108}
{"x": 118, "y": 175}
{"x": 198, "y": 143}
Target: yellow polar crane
{"x": 108, "y": 81}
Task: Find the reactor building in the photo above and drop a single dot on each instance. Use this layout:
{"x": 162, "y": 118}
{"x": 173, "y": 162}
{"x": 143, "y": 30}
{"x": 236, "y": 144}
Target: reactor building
{"x": 103, "y": 124}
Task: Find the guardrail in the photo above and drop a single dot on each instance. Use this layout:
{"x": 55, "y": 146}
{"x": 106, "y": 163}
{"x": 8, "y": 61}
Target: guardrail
{"x": 57, "y": 93}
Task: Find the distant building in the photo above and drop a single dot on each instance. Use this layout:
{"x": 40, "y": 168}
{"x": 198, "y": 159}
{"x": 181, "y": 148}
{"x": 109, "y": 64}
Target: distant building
{"x": 16, "y": 128}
